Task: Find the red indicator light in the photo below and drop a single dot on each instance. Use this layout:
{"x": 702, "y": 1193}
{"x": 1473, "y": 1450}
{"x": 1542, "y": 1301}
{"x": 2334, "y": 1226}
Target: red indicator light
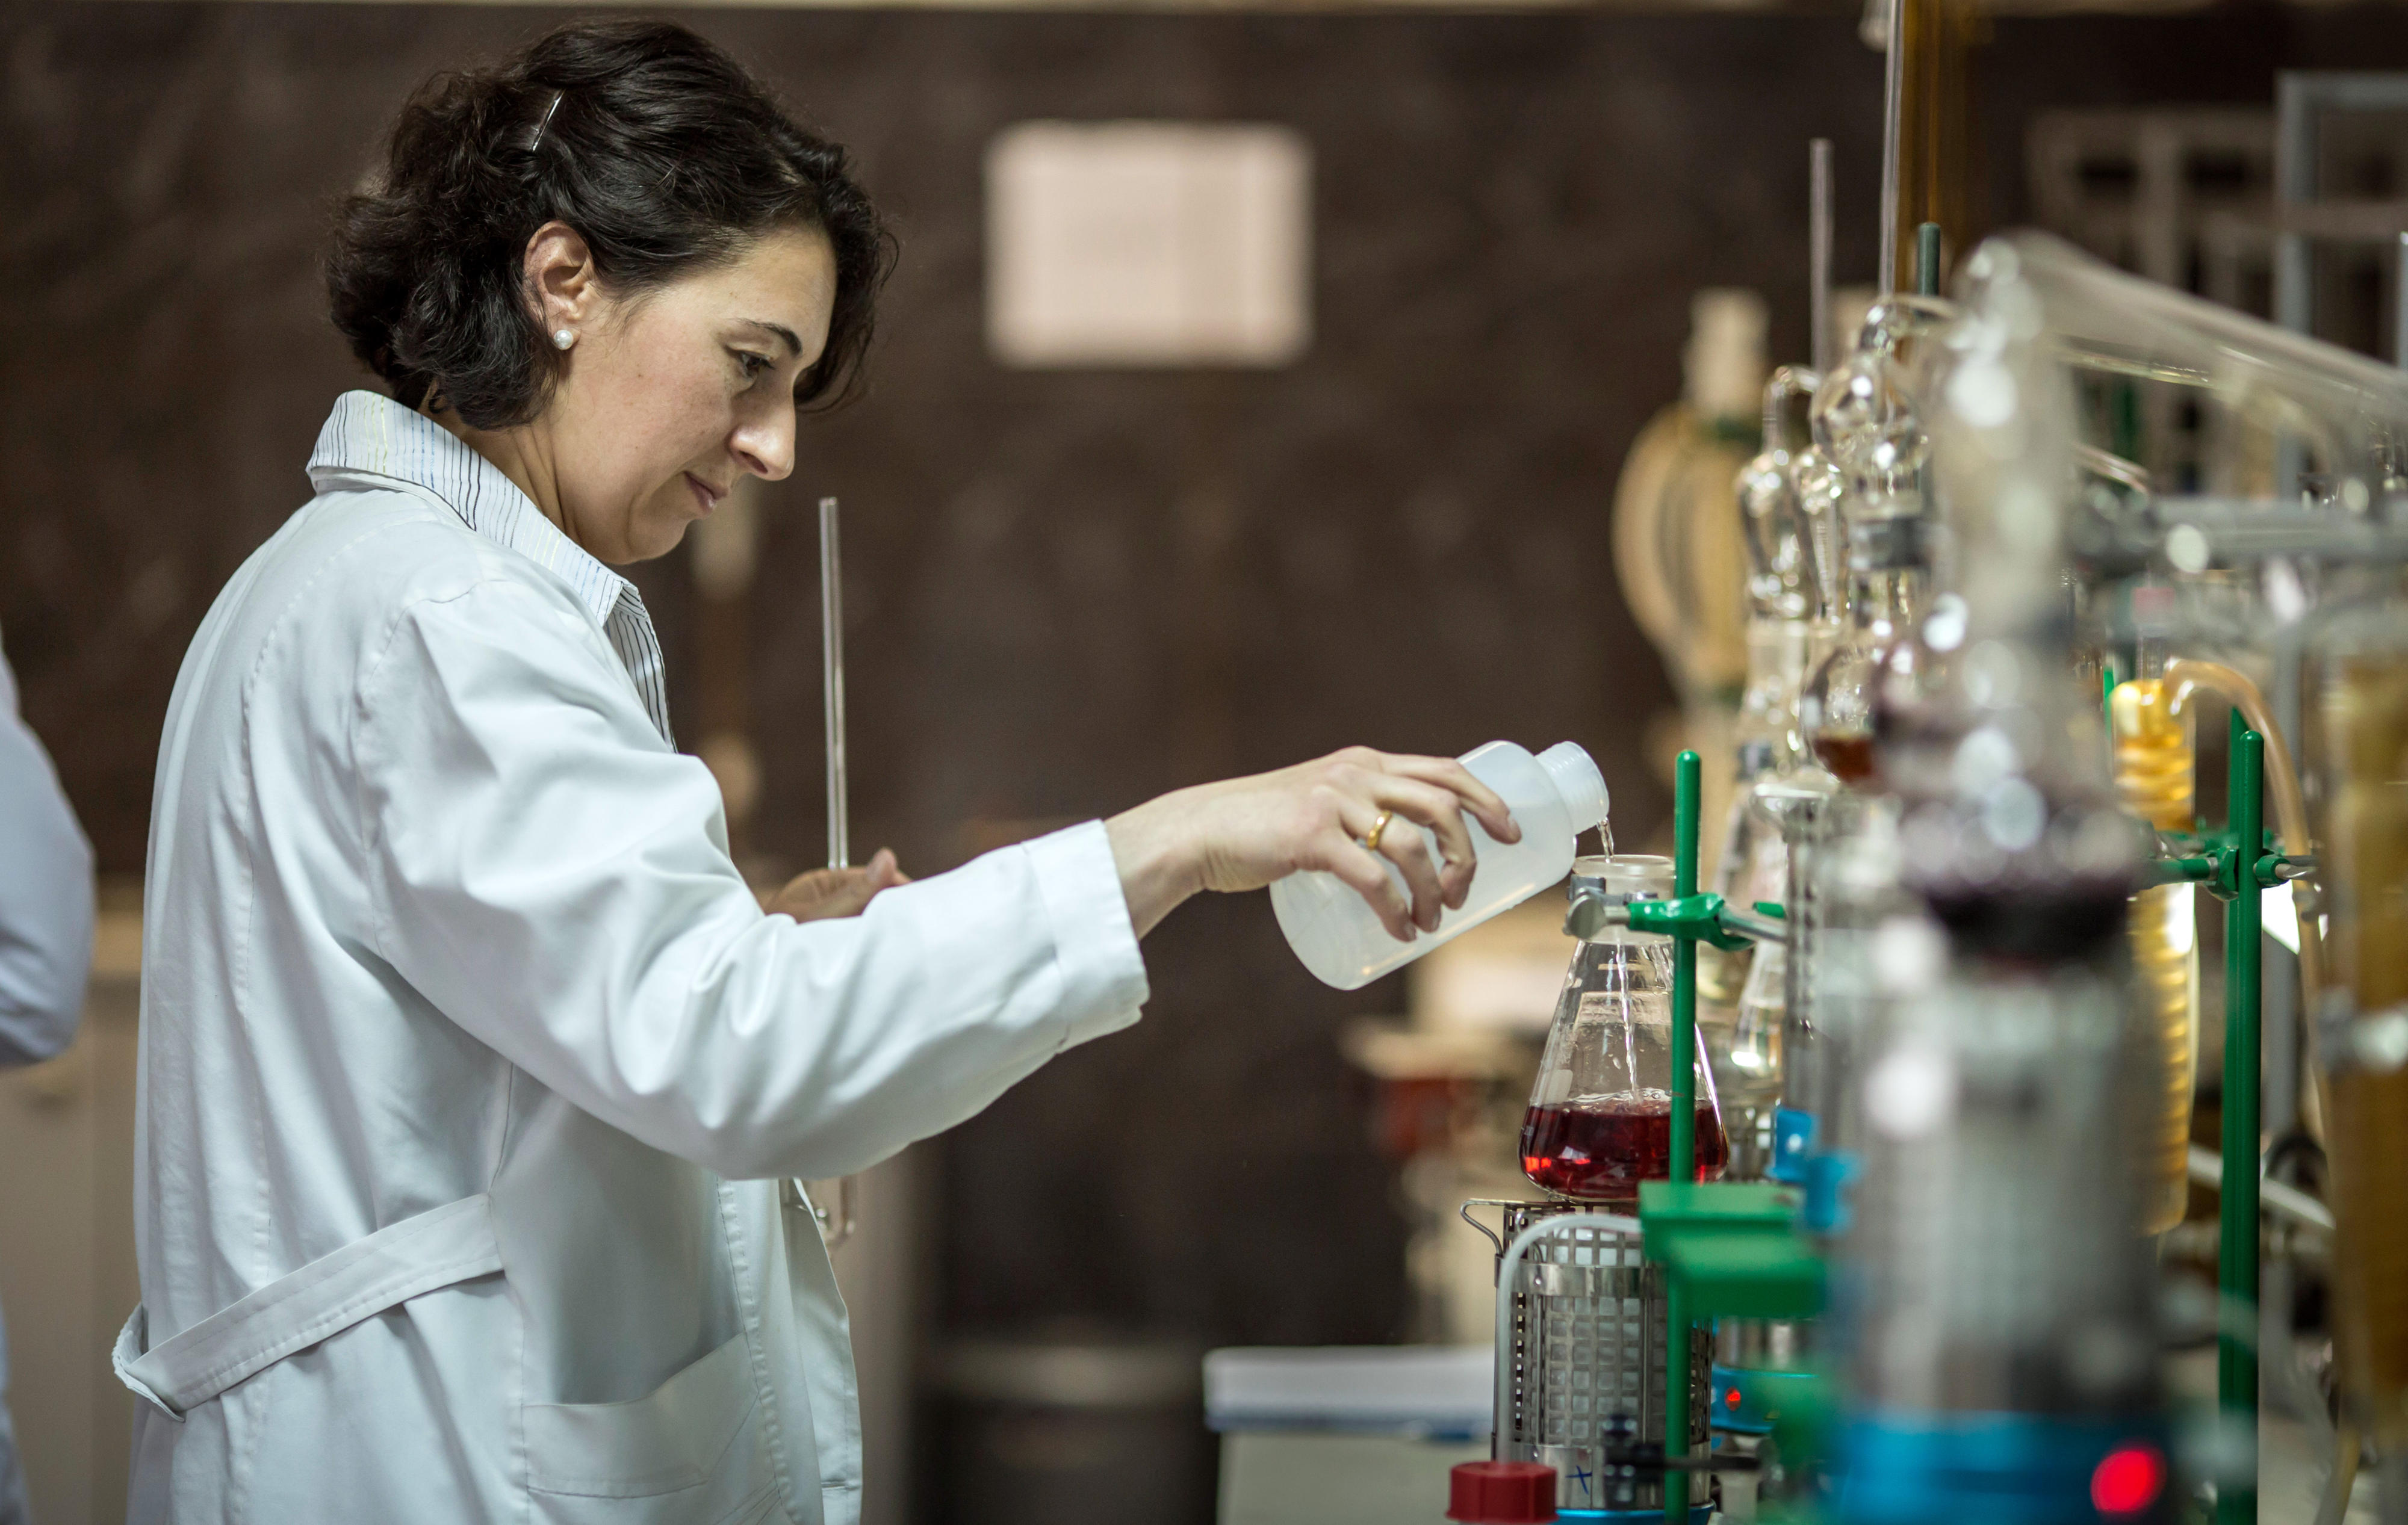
{"x": 2129, "y": 1480}
{"x": 1730, "y": 1399}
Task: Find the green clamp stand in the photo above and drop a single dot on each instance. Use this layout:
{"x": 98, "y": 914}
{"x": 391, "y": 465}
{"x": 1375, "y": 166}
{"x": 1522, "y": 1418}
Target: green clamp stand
{"x": 2237, "y": 865}
{"x": 1731, "y": 1249}
{"x": 2241, "y": 859}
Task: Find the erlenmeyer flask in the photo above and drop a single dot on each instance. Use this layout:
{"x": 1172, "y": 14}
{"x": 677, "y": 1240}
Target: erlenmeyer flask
{"x": 1601, "y": 1118}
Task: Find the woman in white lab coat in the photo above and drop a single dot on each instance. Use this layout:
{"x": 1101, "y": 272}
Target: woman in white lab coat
{"x": 470, "y": 1064}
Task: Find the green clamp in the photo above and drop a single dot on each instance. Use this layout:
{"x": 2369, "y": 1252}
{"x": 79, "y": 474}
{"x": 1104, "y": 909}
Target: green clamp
{"x": 2276, "y": 869}
{"x": 1698, "y": 917}
{"x": 2219, "y": 866}
{"x": 2199, "y": 870}
{"x": 1733, "y": 1246}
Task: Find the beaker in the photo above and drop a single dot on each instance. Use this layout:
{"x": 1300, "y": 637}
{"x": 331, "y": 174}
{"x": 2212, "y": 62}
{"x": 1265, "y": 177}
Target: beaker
{"x": 1601, "y": 1117}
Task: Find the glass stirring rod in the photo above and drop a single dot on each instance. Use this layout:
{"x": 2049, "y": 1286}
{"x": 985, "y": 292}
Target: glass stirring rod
{"x": 832, "y": 684}
{"x": 836, "y": 1226}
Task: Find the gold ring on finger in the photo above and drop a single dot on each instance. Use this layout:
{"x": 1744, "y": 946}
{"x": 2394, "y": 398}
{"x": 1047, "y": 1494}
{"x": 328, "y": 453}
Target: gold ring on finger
{"x": 1371, "y": 840}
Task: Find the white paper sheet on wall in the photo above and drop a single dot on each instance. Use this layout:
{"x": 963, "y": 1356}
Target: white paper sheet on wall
{"x": 1148, "y": 244}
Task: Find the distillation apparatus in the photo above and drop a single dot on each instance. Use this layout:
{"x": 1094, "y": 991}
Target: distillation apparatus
{"x": 1972, "y": 881}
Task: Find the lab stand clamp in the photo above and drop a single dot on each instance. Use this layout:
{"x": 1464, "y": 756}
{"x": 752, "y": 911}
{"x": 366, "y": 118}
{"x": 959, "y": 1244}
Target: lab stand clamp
{"x": 1600, "y": 1317}
{"x": 1728, "y": 1249}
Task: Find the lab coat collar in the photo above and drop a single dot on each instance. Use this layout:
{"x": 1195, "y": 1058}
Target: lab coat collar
{"x": 372, "y": 436}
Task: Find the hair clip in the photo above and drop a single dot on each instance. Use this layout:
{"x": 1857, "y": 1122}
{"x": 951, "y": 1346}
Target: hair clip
{"x": 541, "y": 127}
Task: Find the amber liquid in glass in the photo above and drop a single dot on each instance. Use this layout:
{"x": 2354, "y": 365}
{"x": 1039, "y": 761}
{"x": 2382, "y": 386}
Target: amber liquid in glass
{"x": 1849, "y": 754}
{"x": 2153, "y": 779}
{"x": 2366, "y": 720}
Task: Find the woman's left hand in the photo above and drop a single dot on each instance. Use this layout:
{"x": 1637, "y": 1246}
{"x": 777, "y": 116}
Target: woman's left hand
{"x": 824, "y": 892}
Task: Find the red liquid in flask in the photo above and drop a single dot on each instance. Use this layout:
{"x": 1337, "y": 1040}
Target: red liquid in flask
{"x": 1599, "y": 1149}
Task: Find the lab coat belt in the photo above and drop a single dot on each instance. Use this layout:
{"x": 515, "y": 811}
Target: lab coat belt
{"x": 437, "y": 1249}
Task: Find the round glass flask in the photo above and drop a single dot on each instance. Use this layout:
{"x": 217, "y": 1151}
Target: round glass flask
{"x": 1601, "y": 1117}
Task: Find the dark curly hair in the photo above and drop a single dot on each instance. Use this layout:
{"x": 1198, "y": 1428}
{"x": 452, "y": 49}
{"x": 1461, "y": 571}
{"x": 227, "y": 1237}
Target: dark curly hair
{"x": 651, "y": 142}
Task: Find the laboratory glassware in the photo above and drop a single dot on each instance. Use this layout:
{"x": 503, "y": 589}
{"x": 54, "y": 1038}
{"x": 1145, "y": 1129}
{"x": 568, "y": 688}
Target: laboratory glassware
{"x": 1747, "y": 1076}
{"x": 1783, "y": 577}
{"x": 1744, "y": 1044}
{"x": 1785, "y": 599}
{"x": 1869, "y": 428}
{"x": 1787, "y": 594}
{"x": 1887, "y": 572}
{"x": 1841, "y": 850}
{"x": 2004, "y": 1339}
{"x": 2153, "y": 768}
{"x": 2003, "y": 1334}
{"x": 836, "y": 1221}
{"x": 1680, "y": 549}
{"x": 1741, "y": 993}
{"x": 2364, "y": 658}
{"x": 1600, "y": 1115}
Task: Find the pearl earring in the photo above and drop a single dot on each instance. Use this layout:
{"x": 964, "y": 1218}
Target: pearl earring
{"x": 562, "y": 338}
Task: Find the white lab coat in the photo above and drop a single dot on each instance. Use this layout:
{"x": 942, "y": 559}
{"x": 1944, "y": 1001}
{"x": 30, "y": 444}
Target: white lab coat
{"x": 468, "y": 1062}
{"x": 45, "y": 952}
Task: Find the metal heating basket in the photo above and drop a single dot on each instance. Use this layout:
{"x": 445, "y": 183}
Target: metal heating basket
{"x": 1580, "y": 1351}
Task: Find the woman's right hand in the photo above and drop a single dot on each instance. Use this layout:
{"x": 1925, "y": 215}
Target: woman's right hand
{"x": 1242, "y": 834}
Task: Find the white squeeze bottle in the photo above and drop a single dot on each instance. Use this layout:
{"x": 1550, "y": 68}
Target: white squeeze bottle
{"x": 1554, "y": 796}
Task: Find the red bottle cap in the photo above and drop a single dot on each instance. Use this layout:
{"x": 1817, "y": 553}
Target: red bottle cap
{"x": 1502, "y": 1493}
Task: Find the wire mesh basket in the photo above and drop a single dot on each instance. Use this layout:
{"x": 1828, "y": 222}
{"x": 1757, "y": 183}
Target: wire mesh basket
{"x": 1581, "y": 1352}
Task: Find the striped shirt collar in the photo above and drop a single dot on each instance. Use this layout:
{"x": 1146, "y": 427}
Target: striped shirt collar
{"x": 374, "y": 436}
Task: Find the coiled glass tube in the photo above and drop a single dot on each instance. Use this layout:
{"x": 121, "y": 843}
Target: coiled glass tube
{"x": 2154, "y": 762}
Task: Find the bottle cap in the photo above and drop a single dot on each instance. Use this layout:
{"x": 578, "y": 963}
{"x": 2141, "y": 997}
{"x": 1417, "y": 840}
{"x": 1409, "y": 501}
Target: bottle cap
{"x": 1502, "y": 1493}
{"x": 1574, "y": 773}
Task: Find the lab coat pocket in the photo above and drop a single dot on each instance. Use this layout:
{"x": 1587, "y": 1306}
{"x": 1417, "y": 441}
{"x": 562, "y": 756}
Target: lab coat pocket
{"x": 674, "y": 1439}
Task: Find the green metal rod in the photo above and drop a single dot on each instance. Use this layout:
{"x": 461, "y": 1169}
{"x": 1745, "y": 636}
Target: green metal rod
{"x": 1683, "y": 1163}
{"x": 2107, "y": 707}
{"x": 1927, "y": 259}
{"x": 1685, "y": 973}
{"x": 2236, "y": 1269}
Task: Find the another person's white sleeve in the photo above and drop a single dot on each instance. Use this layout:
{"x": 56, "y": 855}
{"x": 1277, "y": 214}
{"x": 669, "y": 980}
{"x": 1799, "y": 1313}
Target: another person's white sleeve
{"x": 556, "y": 881}
{"x": 46, "y": 903}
